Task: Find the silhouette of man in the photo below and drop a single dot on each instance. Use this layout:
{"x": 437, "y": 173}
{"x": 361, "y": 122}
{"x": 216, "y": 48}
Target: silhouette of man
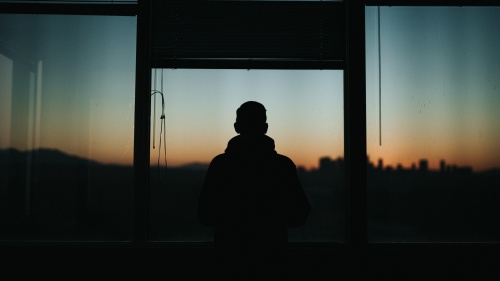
{"x": 251, "y": 195}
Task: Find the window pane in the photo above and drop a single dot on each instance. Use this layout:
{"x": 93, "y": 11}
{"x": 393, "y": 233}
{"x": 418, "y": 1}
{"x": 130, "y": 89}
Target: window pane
{"x": 305, "y": 117}
{"x": 66, "y": 127}
{"x": 434, "y": 178}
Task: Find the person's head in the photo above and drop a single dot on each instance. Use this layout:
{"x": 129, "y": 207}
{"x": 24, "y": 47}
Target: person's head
{"x": 251, "y": 119}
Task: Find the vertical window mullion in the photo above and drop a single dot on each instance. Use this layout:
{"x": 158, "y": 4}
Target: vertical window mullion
{"x": 355, "y": 123}
{"x": 142, "y": 120}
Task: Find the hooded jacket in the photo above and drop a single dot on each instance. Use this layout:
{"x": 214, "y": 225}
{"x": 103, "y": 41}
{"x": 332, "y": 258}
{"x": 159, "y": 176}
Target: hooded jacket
{"x": 252, "y": 194}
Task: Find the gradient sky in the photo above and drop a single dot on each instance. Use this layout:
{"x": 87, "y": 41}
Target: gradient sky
{"x": 304, "y": 111}
{"x": 84, "y": 103}
{"x": 440, "y": 92}
{"x": 440, "y": 70}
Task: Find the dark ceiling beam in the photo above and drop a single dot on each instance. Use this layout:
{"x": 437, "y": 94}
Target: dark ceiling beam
{"x": 69, "y": 9}
{"x": 432, "y": 2}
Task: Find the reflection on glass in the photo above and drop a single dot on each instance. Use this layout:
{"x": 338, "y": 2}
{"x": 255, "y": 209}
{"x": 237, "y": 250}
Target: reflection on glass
{"x": 305, "y": 117}
{"x": 434, "y": 178}
{"x": 66, "y": 127}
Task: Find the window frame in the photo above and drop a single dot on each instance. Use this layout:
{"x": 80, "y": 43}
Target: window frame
{"x": 79, "y": 10}
{"x": 464, "y": 248}
{"x": 354, "y": 124}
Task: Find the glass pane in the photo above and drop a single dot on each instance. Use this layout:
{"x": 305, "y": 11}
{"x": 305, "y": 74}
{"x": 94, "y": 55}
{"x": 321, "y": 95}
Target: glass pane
{"x": 66, "y": 127}
{"x": 305, "y": 117}
{"x": 434, "y": 177}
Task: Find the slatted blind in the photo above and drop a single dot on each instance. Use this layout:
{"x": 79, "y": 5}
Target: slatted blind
{"x": 194, "y": 32}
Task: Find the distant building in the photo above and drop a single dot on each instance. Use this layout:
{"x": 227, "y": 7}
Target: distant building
{"x": 369, "y": 165}
{"x": 442, "y": 166}
{"x": 301, "y": 170}
{"x": 461, "y": 170}
{"x": 380, "y": 165}
{"x": 326, "y": 164}
{"x": 332, "y": 167}
{"x": 399, "y": 167}
{"x": 423, "y": 165}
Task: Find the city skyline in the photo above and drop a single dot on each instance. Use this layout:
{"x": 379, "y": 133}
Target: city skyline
{"x": 323, "y": 163}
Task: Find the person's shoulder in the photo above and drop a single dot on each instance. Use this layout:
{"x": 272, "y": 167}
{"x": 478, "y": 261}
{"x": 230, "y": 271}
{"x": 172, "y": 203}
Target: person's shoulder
{"x": 219, "y": 158}
{"x": 285, "y": 160}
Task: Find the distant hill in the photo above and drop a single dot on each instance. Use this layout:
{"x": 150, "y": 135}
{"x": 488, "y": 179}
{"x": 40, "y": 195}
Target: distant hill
{"x": 42, "y": 156}
{"x": 195, "y": 166}
{"x": 47, "y": 156}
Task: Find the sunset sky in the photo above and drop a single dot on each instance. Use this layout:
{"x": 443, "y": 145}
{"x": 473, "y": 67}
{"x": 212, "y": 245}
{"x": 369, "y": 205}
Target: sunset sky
{"x": 304, "y": 111}
{"x": 440, "y": 85}
{"x": 84, "y": 103}
{"x": 440, "y": 92}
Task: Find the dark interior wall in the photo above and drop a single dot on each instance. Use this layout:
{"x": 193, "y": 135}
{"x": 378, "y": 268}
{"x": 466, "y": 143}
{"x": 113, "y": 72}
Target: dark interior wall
{"x": 374, "y": 263}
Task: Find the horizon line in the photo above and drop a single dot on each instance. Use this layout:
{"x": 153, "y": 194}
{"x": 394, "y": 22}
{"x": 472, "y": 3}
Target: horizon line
{"x": 318, "y": 167}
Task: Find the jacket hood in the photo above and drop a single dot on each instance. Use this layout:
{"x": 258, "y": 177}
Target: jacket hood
{"x": 250, "y": 145}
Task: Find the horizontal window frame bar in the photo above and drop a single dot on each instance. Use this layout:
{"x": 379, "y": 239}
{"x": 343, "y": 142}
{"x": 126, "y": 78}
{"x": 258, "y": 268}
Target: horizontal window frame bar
{"x": 247, "y": 64}
{"x": 438, "y": 246}
{"x": 443, "y": 3}
{"x": 69, "y": 9}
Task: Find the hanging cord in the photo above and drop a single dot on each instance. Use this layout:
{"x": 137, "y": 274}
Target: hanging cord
{"x": 162, "y": 133}
{"x": 379, "y": 84}
{"x": 154, "y": 111}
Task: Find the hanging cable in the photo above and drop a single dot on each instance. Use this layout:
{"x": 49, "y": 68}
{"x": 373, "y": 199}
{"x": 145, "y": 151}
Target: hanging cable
{"x": 162, "y": 133}
{"x": 154, "y": 112}
{"x": 162, "y": 124}
{"x": 379, "y": 83}
{"x": 163, "y": 128}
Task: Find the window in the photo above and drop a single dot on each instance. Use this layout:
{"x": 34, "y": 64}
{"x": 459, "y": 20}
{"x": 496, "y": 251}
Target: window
{"x": 66, "y": 132}
{"x": 434, "y": 164}
{"x": 305, "y": 117}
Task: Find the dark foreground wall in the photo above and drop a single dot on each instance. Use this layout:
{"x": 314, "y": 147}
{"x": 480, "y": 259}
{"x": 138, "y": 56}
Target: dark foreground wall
{"x": 412, "y": 262}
